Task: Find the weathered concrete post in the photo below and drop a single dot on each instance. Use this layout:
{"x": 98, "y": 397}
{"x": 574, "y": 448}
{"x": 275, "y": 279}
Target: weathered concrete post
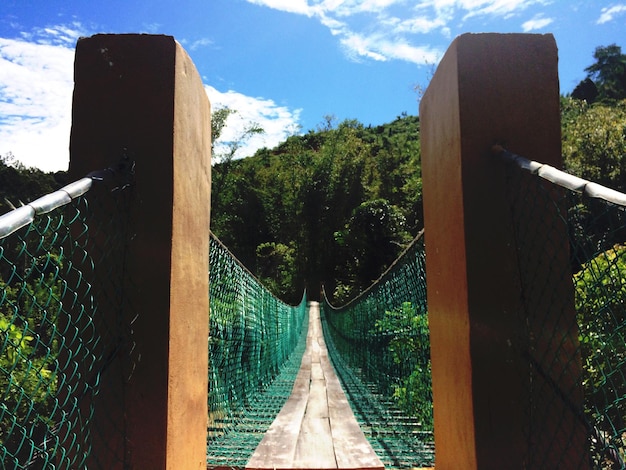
{"x": 488, "y": 89}
{"x": 142, "y": 93}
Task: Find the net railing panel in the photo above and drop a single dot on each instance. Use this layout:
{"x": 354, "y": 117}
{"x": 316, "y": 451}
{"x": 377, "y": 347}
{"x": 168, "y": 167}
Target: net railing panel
{"x": 596, "y": 230}
{"x": 380, "y": 347}
{"x": 256, "y": 343}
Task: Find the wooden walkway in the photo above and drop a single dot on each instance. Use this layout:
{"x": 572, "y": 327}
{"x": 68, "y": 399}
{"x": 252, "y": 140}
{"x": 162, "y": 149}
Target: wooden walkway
{"x": 316, "y": 428}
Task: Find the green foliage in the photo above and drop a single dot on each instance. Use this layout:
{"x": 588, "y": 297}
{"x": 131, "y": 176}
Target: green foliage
{"x": 312, "y": 191}
{"x": 371, "y": 240}
{"x": 20, "y": 184}
{"x": 606, "y": 77}
{"x": 28, "y": 359}
{"x": 30, "y": 294}
{"x": 594, "y": 141}
{"x": 594, "y": 148}
{"x": 276, "y": 267}
{"x": 218, "y": 123}
{"x": 609, "y": 72}
{"x": 409, "y": 346}
{"x": 219, "y": 117}
{"x": 601, "y": 309}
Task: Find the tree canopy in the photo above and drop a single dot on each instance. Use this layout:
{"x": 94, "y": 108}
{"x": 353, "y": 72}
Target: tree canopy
{"x": 333, "y": 206}
{"x": 606, "y": 78}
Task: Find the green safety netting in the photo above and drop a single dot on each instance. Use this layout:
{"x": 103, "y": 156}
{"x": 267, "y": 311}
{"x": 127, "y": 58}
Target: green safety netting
{"x": 256, "y": 344}
{"x": 380, "y": 347}
{"x": 591, "y": 370}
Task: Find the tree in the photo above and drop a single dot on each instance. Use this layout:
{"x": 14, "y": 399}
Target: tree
{"x": 586, "y": 90}
{"x": 303, "y": 195}
{"x": 608, "y": 73}
{"x": 28, "y": 359}
{"x": 219, "y": 120}
{"x": 594, "y": 148}
{"x": 594, "y": 142}
{"x": 276, "y": 269}
{"x": 374, "y": 236}
{"x": 20, "y": 184}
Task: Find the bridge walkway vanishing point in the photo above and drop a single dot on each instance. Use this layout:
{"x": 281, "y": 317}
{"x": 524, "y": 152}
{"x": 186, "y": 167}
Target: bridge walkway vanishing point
{"x": 316, "y": 428}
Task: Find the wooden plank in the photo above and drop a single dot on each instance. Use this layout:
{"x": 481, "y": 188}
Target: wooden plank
{"x": 315, "y": 445}
{"x": 316, "y": 428}
{"x": 278, "y": 446}
{"x": 317, "y": 404}
{"x": 316, "y": 371}
{"x": 352, "y": 449}
{"x": 301, "y": 385}
{"x": 315, "y": 351}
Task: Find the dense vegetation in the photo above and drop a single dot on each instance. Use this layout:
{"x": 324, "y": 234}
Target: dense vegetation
{"x": 20, "y": 184}
{"x": 336, "y": 205}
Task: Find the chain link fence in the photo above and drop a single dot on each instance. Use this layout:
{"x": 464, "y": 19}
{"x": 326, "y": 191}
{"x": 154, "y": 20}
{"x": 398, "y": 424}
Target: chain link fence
{"x": 56, "y": 340}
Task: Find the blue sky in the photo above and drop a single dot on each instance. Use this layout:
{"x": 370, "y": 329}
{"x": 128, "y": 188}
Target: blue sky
{"x": 284, "y": 64}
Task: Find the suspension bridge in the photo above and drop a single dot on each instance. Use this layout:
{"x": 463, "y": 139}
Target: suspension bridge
{"x": 130, "y": 337}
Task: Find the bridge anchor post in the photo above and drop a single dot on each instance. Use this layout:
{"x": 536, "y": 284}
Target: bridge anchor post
{"x": 140, "y": 95}
{"x": 490, "y": 384}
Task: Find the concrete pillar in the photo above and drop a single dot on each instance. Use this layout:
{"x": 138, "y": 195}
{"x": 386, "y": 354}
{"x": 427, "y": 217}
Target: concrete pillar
{"x": 142, "y": 93}
{"x": 487, "y": 369}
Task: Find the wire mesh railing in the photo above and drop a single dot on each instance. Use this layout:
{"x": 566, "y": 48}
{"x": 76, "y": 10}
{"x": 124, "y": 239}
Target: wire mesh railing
{"x": 53, "y": 347}
{"x": 380, "y": 347}
{"x": 35, "y": 430}
{"x": 595, "y": 373}
{"x": 256, "y": 344}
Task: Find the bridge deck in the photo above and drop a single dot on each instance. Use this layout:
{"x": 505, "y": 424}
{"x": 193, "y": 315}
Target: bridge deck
{"x": 316, "y": 428}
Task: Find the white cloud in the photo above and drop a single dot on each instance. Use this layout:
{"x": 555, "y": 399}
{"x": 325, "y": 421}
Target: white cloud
{"x": 204, "y": 42}
{"x": 300, "y": 7}
{"x": 346, "y": 8}
{"x": 357, "y": 46}
{"x": 537, "y": 22}
{"x": 60, "y": 35}
{"x": 500, "y": 8}
{"x": 410, "y": 53}
{"x": 384, "y": 30}
{"x": 419, "y": 25}
{"x": 336, "y": 27}
{"x": 36, "y": 83}
{"x": 278, "y": 122}
{"x": 609, "y": 13}
{"x": 151, "y": 28}
{"x": 383, "y": 49}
